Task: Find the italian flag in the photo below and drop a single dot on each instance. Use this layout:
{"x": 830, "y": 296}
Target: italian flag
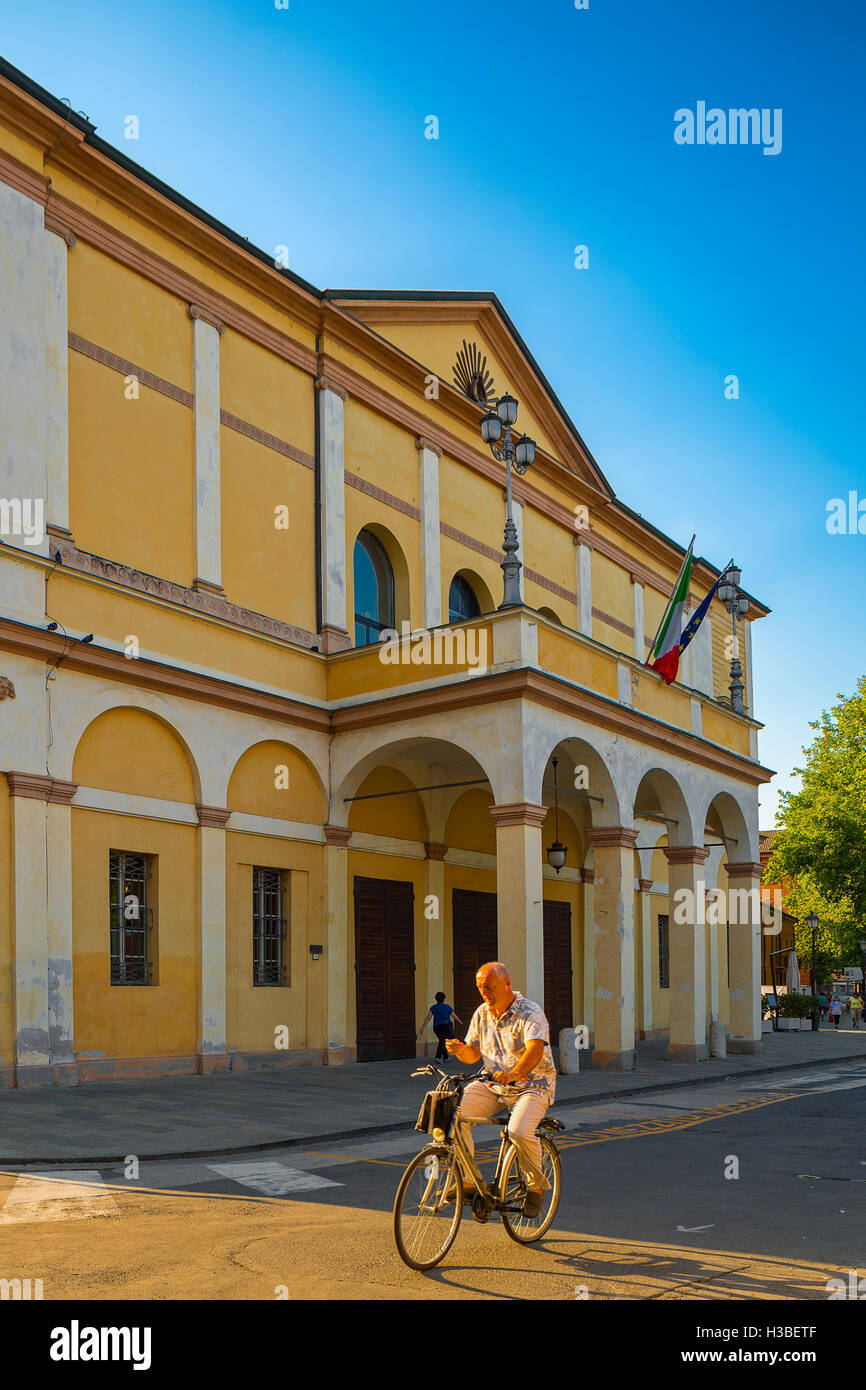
{"x": 665, "y": 655}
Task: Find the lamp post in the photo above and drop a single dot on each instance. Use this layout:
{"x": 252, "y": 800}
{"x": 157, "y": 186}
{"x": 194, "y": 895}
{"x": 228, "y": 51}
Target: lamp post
{"x": 518, "y": 456}
{"x": 556, "y": 853}
{"x": 738, "y": 606}
{"x": 812, "y": 924}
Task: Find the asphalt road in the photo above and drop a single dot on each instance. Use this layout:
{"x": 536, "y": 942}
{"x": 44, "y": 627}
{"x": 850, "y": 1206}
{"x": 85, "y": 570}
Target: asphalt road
{"x": 647, "y": 1211}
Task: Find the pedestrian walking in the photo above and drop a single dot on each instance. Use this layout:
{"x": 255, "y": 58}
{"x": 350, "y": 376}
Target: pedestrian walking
{"x": 822, "y": 1006}
{"x": 836, "y": 1011}
{"x": 856, "y": 1010}
{"x": 441, "y": 1014}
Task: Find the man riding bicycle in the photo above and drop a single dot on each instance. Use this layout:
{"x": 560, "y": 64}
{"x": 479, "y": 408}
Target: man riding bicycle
{"x": 512, "y": 1036}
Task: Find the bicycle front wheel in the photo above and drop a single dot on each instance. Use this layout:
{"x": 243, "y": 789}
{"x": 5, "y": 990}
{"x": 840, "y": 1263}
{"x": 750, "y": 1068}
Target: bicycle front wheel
{"x": 513, "y": 1189}
{"x": 428, "y": 1207}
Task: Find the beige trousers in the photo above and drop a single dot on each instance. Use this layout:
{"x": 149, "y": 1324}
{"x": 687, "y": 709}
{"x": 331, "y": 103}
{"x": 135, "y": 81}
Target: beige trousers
{"x": 527, "y": 1109}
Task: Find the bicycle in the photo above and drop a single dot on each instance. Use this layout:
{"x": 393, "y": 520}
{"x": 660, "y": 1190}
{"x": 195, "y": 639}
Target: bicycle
{"x": 429, "y": 1203}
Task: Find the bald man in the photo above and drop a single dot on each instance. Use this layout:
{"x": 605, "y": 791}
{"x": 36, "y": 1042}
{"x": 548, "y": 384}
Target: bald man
{"x": 512, "y": 1036}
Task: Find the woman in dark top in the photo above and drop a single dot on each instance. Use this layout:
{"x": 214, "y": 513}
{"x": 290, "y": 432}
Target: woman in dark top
{"x": 441, "y": 1014}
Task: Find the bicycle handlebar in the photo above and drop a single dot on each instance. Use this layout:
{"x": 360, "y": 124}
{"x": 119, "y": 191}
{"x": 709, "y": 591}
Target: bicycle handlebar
{"x": 482, "y": 1075}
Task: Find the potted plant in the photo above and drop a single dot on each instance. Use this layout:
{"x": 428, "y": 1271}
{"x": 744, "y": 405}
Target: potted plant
{"x": 795, "y": 1011}
{"x": 766, "y": 1015}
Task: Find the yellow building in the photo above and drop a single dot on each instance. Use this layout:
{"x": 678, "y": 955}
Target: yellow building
{"x": 237, "y": 826}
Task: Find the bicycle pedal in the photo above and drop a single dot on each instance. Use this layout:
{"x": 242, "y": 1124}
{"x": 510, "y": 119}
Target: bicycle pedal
{"x": 480, "y": 1209}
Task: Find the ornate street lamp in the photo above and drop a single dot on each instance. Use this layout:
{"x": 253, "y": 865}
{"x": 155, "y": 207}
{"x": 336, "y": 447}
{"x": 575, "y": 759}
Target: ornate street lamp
{"x": 556, "y": 853}
{"x": 812, "y": 924}
{"x": 520, "y": 456}
{"x": 738, "y": 606}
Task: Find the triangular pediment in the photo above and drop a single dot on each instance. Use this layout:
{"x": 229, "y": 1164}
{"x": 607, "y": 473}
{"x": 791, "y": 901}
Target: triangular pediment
{"x": 469, "y": 342}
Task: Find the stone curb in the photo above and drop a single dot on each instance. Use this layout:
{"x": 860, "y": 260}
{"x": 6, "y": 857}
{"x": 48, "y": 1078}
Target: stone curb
{"x": 664, "y": 1084}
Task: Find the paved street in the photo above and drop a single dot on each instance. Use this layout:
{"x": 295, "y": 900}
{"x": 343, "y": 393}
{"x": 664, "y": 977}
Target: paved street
{"x": 647, "y": 1211}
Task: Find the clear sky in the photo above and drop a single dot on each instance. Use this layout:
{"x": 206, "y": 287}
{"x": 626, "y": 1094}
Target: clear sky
{"x": 305, "y": 127}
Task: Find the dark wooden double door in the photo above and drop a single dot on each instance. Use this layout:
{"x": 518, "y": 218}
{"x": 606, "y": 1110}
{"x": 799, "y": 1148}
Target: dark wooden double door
{"x": 385, "y": 968}
{"x": 473, "y": 918}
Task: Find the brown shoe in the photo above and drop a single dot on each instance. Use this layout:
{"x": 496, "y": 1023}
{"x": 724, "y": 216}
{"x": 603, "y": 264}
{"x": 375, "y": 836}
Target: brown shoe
{"x": 533, "y": 1203}
{"x": 450, "y": 1193}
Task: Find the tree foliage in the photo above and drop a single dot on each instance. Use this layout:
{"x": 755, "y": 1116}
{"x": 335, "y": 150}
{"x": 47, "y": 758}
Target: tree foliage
{"x": 821, "y": 841}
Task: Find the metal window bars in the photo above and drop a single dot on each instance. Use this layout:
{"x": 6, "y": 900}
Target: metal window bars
{"x": 130, "y": 918}
{"x": 269, "y": 927}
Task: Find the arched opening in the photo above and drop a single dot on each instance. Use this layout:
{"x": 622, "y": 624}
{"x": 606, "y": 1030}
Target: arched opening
{"x": 468, "y": 597}
{"x": 373, "y": 589}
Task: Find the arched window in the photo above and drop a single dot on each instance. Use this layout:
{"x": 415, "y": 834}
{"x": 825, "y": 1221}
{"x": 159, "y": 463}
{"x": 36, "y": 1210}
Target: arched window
{"x": 374, "y": 590}
{"x": 462, "y": 603}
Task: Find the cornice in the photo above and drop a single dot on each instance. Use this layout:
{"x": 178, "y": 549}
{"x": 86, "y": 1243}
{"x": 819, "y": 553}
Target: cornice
{"x": 612, "y": 836}
{"x": 559, "y": 695}
{"x": 103, "y": 664}
{"x": 38, "y": 787}
{"x": 338, "y": 835}
{"x": 685, "y": 854}
{"x": 213, "y": 817}
{"x": 199, "y": 600}
{"x": 135, "y": 256}
{"x": 744, "y": 869}
{"x": 519, "y": 813}
{"x": 66, "y": 144}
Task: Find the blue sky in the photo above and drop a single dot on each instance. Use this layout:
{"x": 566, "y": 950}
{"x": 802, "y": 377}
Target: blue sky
{"x": 305, "y": 126}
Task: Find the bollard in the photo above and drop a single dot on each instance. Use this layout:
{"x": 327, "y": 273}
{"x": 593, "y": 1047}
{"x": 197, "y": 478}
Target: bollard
{"x": 569, "y": 1052}
{"x": 718, "y": 1038}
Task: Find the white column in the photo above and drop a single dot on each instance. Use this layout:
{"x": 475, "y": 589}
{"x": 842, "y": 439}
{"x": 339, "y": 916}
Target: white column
{"x": 744, "y": 926}
{"x": 701, "y": 648}
{"x": 711, "y": 877}
{"x": 333, "y": 516}
{"x": 519, "y": 894}
{"x": 206, "y": 358}
{"x": 30, "y": 905}
{"x": 638, "y": 620}
{"x": 60, "y": 956}
{"x": 41, "y": 900}
{"x": 688, "y": 969}
{"x": 588, "y": 877}
{"x": 583, "y": 575}
{"x": 517, "y": 512}
{"x": 747, "y": 662}
{"x": 431, "y": 567}
{"x": 57, "y": 384}
{"x": 212, "y": 890}
{"x": 434, "y": 887}
{"x": 24, "y": 297}
{"x": 335, "y": 916}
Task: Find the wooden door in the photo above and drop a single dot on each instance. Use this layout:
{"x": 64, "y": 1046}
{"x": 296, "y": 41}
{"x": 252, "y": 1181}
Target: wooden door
{"x": 473, "y": 920}
{"x": 557, "y": 968}
{"x": 384, "y": 969}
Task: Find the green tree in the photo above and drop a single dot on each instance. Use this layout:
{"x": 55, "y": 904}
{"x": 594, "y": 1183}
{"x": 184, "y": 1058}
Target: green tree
{"x": 821, "y": 841}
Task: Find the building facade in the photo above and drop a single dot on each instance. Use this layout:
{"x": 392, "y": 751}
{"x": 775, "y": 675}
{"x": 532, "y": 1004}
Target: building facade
{"x": 240, "y": 824}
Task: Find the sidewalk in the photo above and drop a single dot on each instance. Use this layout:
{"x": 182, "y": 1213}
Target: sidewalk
{"x": 102, "y": 1122}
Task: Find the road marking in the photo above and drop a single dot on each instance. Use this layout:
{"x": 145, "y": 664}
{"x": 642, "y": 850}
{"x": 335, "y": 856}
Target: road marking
{"x": 271, "y": 1178}
{"x": 66, "y": 1195}
{"x": 697, "y": 1228}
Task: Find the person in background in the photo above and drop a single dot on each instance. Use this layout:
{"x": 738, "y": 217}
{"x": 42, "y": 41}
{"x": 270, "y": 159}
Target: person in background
{"x": 822, "y": 1006}
{"x": 441, "y": 1014}
{"x": 856, "y": 1010}
{"x": 836, "y": 1010}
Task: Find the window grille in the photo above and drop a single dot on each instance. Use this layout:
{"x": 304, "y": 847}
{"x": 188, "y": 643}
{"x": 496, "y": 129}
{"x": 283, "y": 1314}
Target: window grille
{"x": 130, "y": 918}
{"x": 269, "y": 927}
{"x": 664, "y": 953}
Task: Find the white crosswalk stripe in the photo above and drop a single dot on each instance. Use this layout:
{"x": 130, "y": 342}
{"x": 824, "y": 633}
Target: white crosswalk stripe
{"x": 59, "y": 1195}
{"x": 271, "y": 1178}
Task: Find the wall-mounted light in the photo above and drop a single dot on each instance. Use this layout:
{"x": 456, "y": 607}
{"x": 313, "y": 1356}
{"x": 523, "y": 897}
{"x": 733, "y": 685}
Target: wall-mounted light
{"x": 556, "y": 853}
{"x": 316, "y": 951}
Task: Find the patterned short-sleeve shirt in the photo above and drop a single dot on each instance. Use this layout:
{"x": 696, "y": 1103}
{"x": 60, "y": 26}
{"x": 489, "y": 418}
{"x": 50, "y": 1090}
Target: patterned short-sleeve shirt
{"x": 501, "y": 1041}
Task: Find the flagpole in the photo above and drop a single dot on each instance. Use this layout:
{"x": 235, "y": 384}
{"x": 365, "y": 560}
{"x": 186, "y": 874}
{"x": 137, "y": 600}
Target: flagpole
{"x": 673, "y": 591}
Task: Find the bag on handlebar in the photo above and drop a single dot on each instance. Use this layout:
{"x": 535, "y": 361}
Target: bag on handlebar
{"x": 437, "y": 1112}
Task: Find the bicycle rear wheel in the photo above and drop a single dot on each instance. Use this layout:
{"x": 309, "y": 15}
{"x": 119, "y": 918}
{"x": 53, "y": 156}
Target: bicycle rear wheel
{"x": 513, "y": 1188}
{"x": 425, "y": 1223}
